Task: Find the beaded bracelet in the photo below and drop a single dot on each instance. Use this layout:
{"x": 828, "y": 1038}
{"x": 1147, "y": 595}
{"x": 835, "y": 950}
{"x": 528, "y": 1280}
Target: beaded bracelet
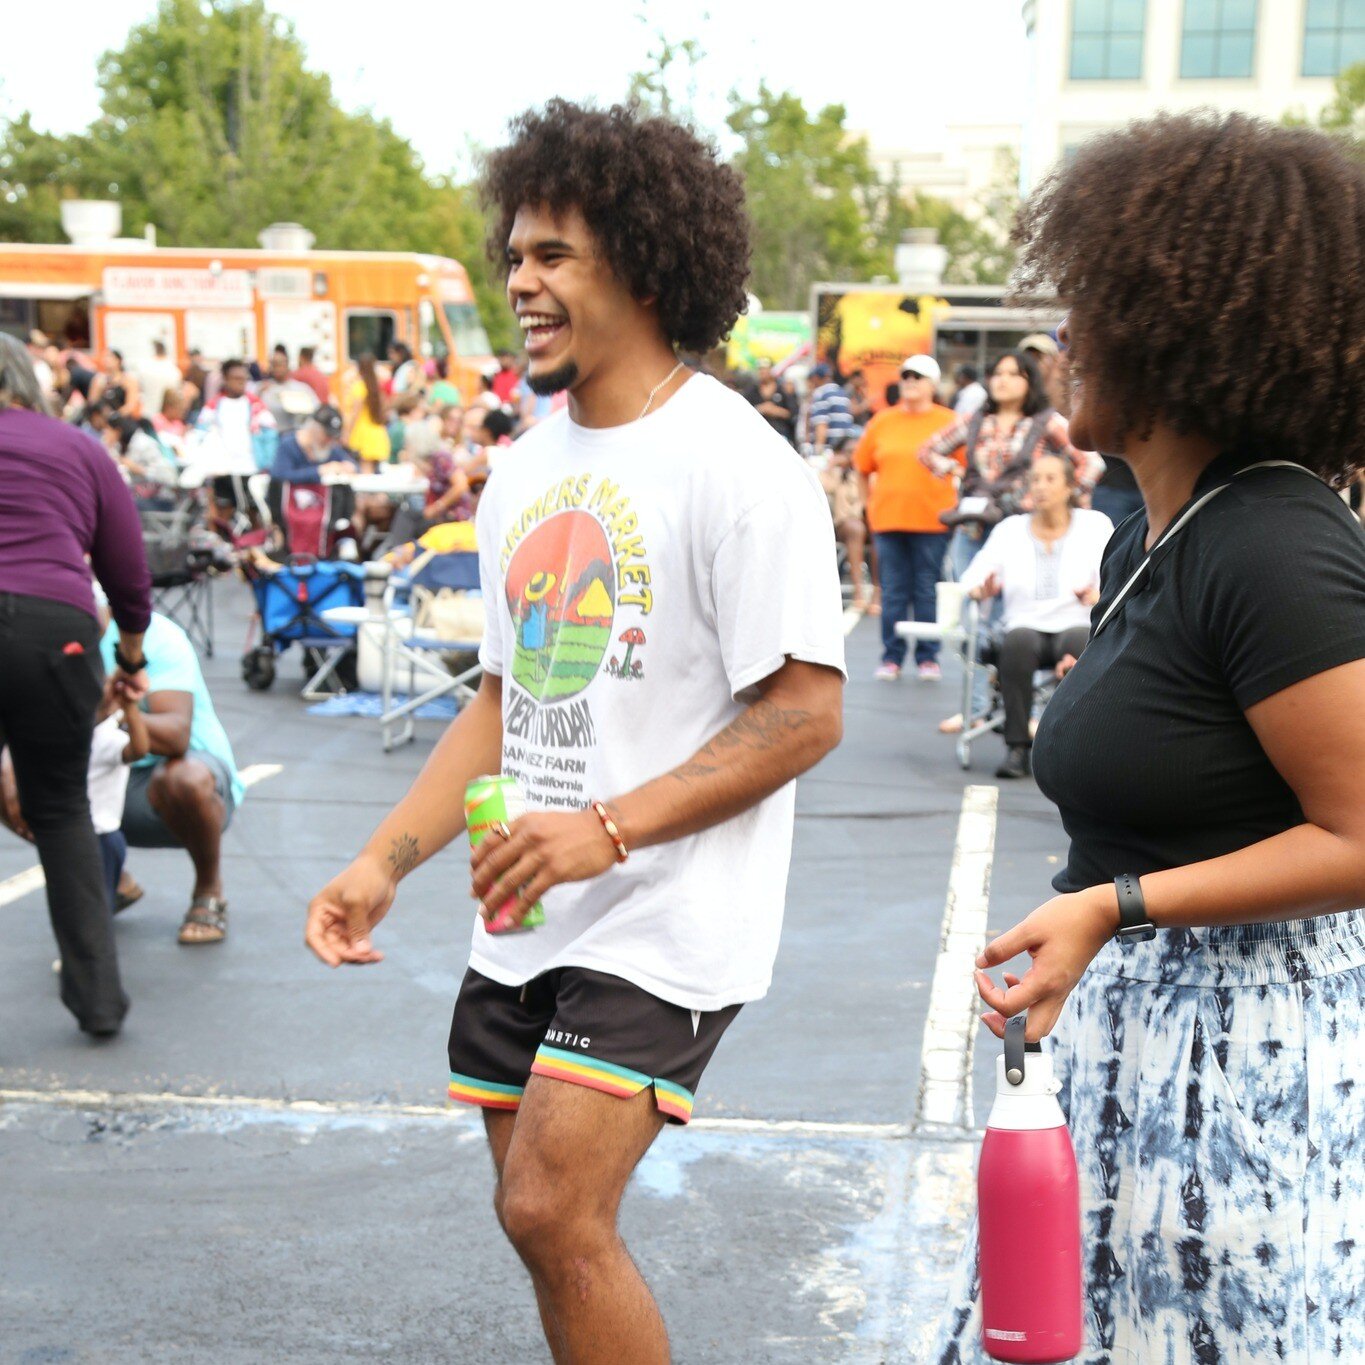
{"x": 614, "y": 834}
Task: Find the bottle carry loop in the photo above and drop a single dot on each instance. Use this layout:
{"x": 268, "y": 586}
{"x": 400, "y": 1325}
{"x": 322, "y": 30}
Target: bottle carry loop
{"x": 1171, "y": 531}
{"x": 1016, "y": 1049}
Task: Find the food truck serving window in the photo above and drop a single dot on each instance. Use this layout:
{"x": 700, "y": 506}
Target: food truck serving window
{"x": 433, "y": 339}
{"x": 370, "y": 331}
{"x": 466, "y": 329}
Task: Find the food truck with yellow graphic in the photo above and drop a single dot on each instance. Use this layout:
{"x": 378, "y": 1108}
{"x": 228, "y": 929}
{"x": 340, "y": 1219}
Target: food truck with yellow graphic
{"x": 874, "y": 327}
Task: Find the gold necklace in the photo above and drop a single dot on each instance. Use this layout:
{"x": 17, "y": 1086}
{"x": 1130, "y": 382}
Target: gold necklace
{"x": 649, "y": 402}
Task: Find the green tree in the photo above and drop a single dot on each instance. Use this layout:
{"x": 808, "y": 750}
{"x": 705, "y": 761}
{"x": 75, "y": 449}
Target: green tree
{"x": 211, "y": 126}
{"x": 813, "y": 193}
{"x": 652, "y": 87}
{"x": 38, "y": 170}
{"x": 1345, "y": 113}
{"x": 821, "y": 212}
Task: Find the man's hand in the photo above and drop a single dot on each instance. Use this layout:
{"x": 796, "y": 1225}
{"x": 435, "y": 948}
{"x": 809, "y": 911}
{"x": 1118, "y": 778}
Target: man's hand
{"x": 130, "y": 688}
{"x": 990, "y": 588}
{"x": 342, "y": 914}
{"x": 1062, "y": 937}
{"x": 544, "y": 849}
{"x": 10, "y": 813}
{"x": 1088, "y": 595}
{"x": 1064, "y": 666}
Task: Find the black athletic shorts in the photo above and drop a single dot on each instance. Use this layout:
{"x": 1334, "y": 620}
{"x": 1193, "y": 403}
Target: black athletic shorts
{"x": 577, "y": 1025}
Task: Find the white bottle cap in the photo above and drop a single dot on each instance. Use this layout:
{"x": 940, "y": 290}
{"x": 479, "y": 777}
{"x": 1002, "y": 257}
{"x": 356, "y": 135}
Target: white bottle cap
{"x": 1032, "y": 1103}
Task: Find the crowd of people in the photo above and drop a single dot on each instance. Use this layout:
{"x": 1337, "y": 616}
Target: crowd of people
{"x": 1203, "y": 963}
{"x": 913, "y": 487}
{"x": 162, "y": 423}
{"x": 916, "y": 488}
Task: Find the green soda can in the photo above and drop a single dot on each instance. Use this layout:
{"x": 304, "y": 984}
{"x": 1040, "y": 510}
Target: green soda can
{"x": 488, "y": 802}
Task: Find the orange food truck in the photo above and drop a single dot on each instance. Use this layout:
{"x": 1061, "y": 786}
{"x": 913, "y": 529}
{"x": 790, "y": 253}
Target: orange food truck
{"x": 123, "y": 294}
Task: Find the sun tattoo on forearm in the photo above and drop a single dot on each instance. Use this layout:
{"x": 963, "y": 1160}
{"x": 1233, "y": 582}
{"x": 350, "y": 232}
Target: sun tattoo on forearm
{"x": 403, "y": 855}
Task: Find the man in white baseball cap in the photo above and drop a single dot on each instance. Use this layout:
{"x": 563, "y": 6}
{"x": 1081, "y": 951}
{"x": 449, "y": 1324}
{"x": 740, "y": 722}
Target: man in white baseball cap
{"x": 904, "y": 500}
{"x": 921, "y": 367}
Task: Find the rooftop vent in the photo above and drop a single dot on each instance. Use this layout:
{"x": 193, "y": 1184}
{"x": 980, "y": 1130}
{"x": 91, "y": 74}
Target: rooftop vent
{"x": 286, "y": 237}
{"x": 87, "y": 221}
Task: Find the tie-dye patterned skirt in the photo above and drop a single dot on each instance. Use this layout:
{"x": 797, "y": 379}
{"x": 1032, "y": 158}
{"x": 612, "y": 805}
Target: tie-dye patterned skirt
{"x": 1214, "y": 1081}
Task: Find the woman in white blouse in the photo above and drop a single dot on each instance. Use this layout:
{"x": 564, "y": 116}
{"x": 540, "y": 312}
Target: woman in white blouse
{"x": 1046, "y": 567}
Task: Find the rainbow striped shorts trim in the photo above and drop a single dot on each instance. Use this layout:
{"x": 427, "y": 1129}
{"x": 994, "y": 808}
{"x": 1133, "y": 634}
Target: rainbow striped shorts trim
{"x": 674, "y": 1101}
{"x": 486, "y": 1094}
{"x": 564, "y": 1025}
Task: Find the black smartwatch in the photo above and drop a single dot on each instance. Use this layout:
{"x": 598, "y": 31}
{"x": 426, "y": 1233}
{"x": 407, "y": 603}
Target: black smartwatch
{"x": 1134, "y": 926}
{"x": 126, "y": 664}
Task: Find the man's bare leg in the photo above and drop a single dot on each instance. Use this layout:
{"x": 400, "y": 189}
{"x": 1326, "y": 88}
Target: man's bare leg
{"x": 498, "y": 1124}
{"x": 570, "y": 1157}
{"x": 183, "y": 794}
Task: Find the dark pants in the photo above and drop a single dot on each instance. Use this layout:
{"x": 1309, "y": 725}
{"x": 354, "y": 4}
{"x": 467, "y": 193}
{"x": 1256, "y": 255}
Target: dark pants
{"x": 50, "y": 685}
{"x": 911, "y": 565}
{"x": 1118, "y": 504}
{"x": 1022, "y": 654}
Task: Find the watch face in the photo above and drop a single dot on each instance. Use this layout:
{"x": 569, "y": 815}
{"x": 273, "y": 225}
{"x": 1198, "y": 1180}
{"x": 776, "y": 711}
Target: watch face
{"x": 1136, "y": 933}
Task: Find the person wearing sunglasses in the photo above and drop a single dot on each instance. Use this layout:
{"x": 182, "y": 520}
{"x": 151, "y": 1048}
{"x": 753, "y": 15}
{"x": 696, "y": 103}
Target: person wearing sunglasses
{"x": 905, "y": 500}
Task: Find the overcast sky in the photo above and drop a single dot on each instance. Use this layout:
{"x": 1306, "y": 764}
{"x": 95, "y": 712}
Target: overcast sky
{"x": 449, "y": 75}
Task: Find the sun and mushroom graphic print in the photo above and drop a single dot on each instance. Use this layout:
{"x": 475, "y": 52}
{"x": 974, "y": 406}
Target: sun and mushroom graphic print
{"x": 577, "y": 592}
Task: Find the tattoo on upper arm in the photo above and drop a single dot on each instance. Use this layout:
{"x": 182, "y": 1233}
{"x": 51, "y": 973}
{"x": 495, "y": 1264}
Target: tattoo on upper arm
{"x": 404, "y": 854}
{"x": 763, "y": 727}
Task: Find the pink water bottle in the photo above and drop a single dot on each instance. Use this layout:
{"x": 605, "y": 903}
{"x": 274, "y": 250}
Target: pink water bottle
{"x": 1029, "y": 1214}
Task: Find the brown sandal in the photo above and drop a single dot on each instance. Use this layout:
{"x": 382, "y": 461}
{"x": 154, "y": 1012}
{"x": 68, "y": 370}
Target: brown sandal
{"x": 205, "y": 912}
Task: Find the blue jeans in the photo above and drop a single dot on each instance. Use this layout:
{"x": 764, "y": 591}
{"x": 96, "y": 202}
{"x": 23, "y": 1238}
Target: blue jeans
{"x": 911, "y": 565}
{"x": 113, "y": 854}
{"x": 962, "y": 549}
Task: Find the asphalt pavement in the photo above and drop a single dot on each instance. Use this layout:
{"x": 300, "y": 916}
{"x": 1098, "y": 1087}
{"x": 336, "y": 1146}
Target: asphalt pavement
{"x": 261, "y": 1168}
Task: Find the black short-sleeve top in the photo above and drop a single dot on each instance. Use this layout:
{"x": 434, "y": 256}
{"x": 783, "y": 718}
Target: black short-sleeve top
{"x": 1145, "y": 747}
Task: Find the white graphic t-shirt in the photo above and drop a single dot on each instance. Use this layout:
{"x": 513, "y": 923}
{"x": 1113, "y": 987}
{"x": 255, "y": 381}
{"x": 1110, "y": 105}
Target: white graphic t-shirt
{"x": 638, "y": 581}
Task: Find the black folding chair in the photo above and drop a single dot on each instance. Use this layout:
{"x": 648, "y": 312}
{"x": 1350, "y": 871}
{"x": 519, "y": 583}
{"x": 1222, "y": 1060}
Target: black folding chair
{"x": 181, "y": 572}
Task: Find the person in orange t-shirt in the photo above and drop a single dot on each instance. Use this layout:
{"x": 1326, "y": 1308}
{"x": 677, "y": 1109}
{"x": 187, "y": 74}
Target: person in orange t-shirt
{"x": 904, "y": 500}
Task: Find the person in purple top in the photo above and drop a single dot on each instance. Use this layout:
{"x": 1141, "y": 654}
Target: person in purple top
{"x": 62, "y": 499}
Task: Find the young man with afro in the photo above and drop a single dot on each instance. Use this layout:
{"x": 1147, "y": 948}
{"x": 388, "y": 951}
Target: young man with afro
{"x": 663, "y": 656}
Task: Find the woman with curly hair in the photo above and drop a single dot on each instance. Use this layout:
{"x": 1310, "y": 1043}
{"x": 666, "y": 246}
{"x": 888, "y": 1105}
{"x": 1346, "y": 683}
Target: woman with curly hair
{"x": 1206, "y": 751}
{"x": 663, "y": 655}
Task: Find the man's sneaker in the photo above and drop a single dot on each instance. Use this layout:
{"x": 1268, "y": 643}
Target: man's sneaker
{"x": 1016, "y": 762}
{"x": 929, "y": 671}
{"x": 887, "y": 672}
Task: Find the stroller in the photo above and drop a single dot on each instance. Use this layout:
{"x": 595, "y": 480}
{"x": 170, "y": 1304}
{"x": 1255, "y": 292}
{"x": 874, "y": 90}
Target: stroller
{"x": 290, "y": 610}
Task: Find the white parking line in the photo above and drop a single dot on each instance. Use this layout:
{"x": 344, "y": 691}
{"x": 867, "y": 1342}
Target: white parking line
{"x": 32, "y": 878}
{"x": 258, "y": 772}
{"x": 323, "y": 1109}
{"x": 944, "y": 1100}
{"x": 851, "y": 618}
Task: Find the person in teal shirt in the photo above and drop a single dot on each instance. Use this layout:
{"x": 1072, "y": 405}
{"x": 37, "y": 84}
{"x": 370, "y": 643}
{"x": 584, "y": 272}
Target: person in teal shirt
{"x": 186, "y": 791}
